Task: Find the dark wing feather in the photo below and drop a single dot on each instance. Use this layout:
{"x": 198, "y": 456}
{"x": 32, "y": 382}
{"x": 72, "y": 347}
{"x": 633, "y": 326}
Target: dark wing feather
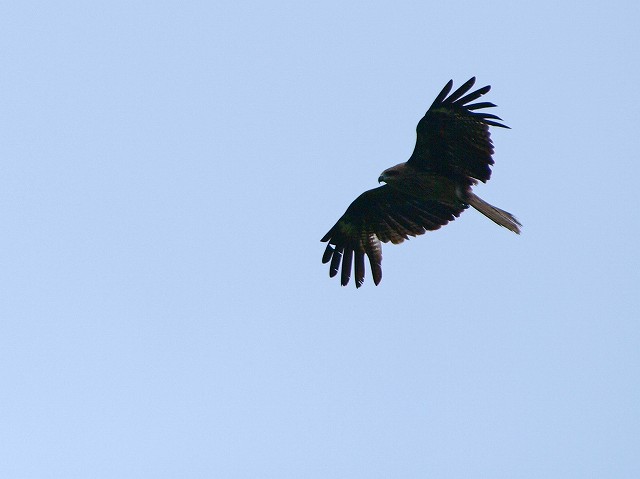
{"x": 453, "y": 137}
{"x": 380, "y": 215}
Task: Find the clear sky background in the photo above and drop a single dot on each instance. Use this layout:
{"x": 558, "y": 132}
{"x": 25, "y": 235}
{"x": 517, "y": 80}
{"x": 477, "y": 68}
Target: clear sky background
{"x": 167, "y": 171}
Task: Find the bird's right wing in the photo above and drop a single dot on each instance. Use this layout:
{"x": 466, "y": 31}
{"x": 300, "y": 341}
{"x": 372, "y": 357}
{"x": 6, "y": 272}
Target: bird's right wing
{"x": 380, "y": 215}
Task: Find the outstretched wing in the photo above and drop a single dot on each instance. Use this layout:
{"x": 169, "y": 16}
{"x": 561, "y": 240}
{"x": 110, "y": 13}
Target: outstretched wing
{"x": 380, "y": 215}
{"x": 453, "y": 138}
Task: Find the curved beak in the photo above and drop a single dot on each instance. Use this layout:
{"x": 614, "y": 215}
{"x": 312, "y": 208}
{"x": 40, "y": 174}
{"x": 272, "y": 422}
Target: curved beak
{"x": 381, "y": 178}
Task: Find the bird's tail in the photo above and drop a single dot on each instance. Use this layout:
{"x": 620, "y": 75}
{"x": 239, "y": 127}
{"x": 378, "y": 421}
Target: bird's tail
{"x": 496, "y": 215}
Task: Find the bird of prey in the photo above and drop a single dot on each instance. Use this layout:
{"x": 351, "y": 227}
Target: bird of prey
{"x": 452, "y": 153}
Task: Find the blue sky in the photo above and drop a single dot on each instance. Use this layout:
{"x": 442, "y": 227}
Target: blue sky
{"x": 168, "y": 169}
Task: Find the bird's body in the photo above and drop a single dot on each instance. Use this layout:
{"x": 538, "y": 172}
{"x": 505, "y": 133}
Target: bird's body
{"x": 453, "y": 152}
{"x": 422, "y": 184}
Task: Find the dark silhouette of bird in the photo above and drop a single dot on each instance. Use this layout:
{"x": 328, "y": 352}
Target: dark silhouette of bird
{"x": 452, "y": 153}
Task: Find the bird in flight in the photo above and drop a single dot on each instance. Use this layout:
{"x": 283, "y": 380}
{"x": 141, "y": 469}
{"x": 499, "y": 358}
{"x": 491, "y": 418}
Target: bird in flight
{"x": 452, "y": 153}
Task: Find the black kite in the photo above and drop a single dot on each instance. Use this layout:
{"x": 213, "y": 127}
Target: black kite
{"x": 452, "y": 153}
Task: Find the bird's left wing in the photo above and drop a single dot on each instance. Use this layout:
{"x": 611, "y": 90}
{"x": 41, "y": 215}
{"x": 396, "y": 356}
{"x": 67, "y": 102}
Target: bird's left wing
{"x": 380, "y": 215}
{"x": 453, "y": 136}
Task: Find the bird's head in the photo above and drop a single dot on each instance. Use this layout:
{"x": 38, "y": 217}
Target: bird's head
{"x": 392, "y": 174}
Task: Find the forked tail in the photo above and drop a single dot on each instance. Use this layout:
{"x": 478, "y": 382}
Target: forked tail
{"x": 496, "y": 215}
